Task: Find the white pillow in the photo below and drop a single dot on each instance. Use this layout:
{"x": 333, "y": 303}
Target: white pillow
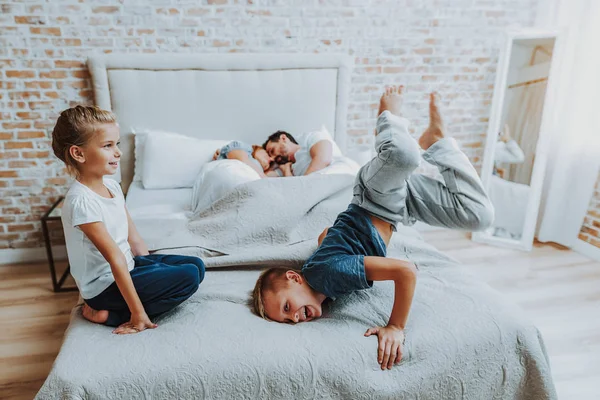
{"x": 336, "y": 151}
{"x": 172, "y": 161}
{"x": 140, "y": 135}
{"x": 340, "y": 164}
{"x": 218, "y": 178}
{"x": 139, "y": 138}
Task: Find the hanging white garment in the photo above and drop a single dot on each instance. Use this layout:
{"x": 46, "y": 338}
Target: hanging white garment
{"x": 524, "y": 119}
{"x": 574, "y": 150}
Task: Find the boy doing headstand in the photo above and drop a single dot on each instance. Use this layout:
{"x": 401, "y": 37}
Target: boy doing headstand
{"x": 352, "y": 253}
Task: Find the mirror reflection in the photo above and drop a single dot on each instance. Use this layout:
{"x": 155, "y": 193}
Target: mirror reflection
{"x": 514, "y": 153}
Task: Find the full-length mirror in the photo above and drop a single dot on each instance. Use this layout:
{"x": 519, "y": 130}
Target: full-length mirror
{"x": 514, "y": 161}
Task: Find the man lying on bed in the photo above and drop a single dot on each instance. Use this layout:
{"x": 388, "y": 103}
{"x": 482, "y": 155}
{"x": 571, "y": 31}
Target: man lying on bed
{"x": 352, "y": 253}
{"x": 307, "y": 153}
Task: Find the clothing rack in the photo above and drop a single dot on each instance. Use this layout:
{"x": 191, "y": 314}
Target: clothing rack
{"x": 536, "y": 49}
{"x": 527, "y": 83}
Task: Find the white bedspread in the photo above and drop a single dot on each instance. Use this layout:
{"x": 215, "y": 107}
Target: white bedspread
{"x": 165, "y": 208}
{"x": 464, "y": 340}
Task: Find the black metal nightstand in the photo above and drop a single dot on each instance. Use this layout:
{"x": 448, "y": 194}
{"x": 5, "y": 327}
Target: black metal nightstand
{"x": 54, "y": 214}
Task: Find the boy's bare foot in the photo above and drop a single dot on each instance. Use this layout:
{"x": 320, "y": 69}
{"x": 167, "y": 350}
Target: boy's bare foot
{"x": 391, "y": 100}
{"x": 92, "y": 315}
{"x": 435, "y": 131}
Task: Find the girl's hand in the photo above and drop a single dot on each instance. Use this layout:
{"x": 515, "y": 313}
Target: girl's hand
{"x": 391, "y": 339}
{"x": 216, "y": 155}
{"x": 286, "y": 169}
{"x": 136, "y": 324}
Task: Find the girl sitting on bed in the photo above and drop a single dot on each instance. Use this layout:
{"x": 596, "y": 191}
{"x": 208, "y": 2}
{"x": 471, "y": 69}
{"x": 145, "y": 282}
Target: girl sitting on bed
{"x": 121, "y": 283}
{"x": 254, "y": 156}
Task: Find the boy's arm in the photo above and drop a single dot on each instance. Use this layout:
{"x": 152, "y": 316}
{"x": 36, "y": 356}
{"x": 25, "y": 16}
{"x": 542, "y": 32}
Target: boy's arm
{"x": 321, "y": 154}
{"x": 99, "y": 236}
{"x": 322, "y": 236}
{"x": 137, "y": 244}
{"x": 404, "y": 275}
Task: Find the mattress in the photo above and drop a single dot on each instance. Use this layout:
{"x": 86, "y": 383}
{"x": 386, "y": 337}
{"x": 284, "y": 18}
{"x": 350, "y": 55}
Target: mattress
{"x": 464, "y": 340}
{"x": 155, "y": 212}
{"x": 157, "y": 202}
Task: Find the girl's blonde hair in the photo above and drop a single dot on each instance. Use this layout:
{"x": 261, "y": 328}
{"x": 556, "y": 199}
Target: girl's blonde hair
{"x": 75, "y": 127}
{"x": 256, "y": 148}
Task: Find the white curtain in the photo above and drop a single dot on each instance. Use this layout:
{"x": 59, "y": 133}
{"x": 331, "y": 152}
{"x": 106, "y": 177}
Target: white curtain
{"x": 524, "y": 118}
{"x": 574, "y": 152}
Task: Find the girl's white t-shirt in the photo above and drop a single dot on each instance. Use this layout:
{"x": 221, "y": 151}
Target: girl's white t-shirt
{"x": 90, "y": 269}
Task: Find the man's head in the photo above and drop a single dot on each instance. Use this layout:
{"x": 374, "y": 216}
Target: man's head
{"x": 281, "y": 146}
{"x": 283, "y": 295}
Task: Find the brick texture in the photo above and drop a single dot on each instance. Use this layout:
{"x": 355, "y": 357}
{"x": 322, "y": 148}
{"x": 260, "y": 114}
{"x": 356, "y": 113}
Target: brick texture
{"x": 448, "y": 46}
{"x": 590, "y": 230}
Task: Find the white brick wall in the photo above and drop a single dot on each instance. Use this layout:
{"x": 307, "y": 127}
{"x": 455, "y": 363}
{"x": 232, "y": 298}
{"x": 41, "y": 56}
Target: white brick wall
{"x": 449, "y": 46}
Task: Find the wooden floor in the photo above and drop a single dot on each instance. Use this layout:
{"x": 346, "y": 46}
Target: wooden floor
{"x": 558, "y": 288}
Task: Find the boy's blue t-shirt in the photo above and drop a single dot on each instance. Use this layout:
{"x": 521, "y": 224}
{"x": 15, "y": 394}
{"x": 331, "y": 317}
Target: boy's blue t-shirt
{"x": 338, "y": 266}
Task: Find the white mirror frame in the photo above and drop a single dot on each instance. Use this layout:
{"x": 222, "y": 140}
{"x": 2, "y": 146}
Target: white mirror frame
{"x": 547, "y": 120}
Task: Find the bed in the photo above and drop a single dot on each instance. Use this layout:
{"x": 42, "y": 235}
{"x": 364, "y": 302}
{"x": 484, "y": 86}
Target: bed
{"x": 464, "y": 341}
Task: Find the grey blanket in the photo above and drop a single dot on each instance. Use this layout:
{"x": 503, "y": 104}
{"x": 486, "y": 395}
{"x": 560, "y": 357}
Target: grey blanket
{"x": 464, "y": 340}
{"x": 264, "y": 222}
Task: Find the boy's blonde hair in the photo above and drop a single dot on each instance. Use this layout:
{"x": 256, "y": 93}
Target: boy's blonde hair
{"x": 75, "y": 127}
{"x": 271, "y": 279}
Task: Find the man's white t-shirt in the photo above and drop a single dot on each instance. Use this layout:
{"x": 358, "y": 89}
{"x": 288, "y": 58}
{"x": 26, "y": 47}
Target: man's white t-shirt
{"x": 82, "y": 205}
{"x": 306, "y": 141}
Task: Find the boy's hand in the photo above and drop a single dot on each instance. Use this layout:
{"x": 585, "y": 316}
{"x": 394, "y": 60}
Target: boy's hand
{"x": 136, "y": 324}
{"x": 391, "y": 339}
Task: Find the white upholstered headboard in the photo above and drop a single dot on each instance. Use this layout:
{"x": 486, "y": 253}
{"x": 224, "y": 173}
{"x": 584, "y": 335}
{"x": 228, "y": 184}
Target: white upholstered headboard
{"x": 222, "y": 96}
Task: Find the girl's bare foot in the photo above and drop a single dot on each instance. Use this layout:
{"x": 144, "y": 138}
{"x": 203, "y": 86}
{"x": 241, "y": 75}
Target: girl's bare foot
{"x": 92, "y": 315}
{"x": 391, "y": 100}
{"x": 435, "y": 131}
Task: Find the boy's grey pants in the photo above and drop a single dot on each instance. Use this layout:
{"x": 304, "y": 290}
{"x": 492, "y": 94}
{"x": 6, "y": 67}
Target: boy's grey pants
{"x": 387, "y": 188}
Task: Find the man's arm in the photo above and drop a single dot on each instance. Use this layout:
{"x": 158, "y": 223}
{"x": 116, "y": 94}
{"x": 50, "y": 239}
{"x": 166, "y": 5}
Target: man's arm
{"x": 404, "y": 275}
{"x": 321, "y": 154}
